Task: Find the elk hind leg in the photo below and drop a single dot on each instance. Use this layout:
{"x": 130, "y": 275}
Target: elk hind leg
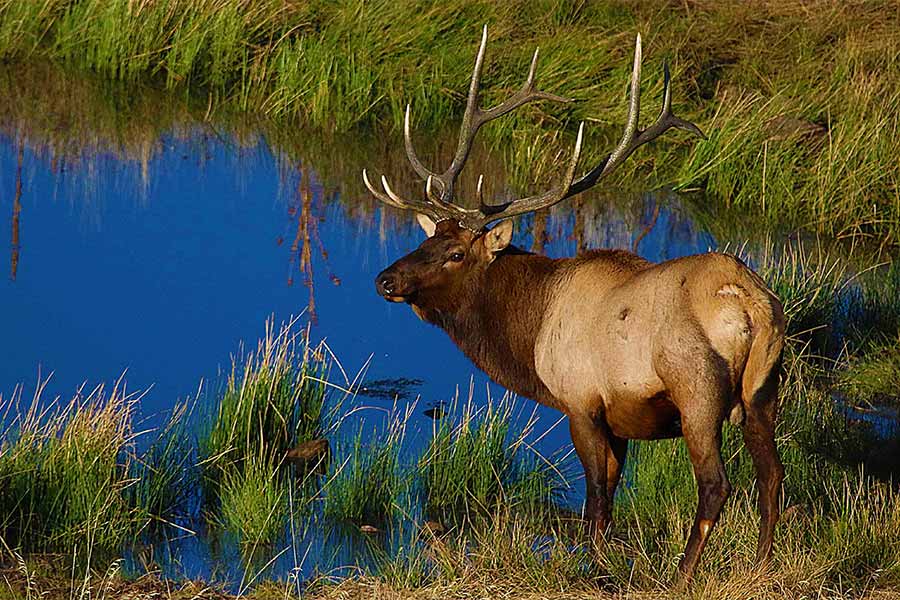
{"x": 759, "y": 436}
{"x": 702, "y": 428}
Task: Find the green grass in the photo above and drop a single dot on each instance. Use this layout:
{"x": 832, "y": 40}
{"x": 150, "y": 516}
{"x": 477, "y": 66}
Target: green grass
{"x": 353, "y": 66}
{"x": 874, "y": 377}
{"x": 65, "y": 474}
{"x": 254, "y": 502}
{"x": 476, "y": 461}
{"x": 164, "y": 475}
{"x": 365, "y": 481}
{"x": 272, "y": 401}
{"x": 873, "y": 307}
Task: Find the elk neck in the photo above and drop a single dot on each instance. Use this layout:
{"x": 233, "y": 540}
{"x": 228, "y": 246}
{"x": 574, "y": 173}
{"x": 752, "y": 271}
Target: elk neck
{"x": 496, "y": 316}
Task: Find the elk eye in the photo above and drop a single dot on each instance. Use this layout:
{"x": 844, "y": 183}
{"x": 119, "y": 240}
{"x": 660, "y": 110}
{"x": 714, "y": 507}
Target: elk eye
{"x": 457, "y": 257}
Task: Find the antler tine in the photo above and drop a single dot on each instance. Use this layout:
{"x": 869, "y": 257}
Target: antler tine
{"x": 475, "y": 83}
{"x": 533, "y": 68}
{"x": 633, "y": 137}
{"x": 390, "y": 192}
{"x": 527, "y": 93}
{"x": 474, "y": 116}
{"x": 417, "y": 165}
{"x": 380, "y": 195}
{"x": 634, "y": 108}
{"x": 666, "y": 118}
{"x": 390, "y": 198}
{"x": 429, "y": 188}
{"x": 469, "y": 126}
{"x": 532, "y": 203}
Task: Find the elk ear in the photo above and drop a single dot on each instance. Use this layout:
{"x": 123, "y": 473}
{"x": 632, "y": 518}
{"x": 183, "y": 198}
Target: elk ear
{"x": 427, "y": 225}
{"x": 499, "y": 237}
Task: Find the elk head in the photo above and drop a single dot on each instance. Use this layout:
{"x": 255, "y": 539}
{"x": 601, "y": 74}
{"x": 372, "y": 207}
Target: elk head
{"x": 459, "y": 243}
{"x": 437, "y": 272}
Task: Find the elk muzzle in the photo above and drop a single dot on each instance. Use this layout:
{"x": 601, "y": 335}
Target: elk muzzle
{"x": 392, "y": 285}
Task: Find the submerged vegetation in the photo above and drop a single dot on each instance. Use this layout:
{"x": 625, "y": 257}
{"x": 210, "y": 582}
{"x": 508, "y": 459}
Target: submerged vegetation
{"x": 799, "y": 103}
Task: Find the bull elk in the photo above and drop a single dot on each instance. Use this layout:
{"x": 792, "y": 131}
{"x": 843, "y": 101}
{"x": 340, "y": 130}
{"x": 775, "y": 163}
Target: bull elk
{"x": 625, "y": 348}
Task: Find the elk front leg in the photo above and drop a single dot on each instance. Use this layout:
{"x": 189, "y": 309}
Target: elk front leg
{"x": 592, "y": 446}
{"x": 615, "y": 463}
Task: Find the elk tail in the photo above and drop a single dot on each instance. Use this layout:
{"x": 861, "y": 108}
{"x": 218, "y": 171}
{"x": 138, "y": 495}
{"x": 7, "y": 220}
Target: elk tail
{"x": 759, "y": 382}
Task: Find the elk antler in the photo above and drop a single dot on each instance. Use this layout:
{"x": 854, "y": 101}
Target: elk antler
{"x": 439, "y": 205}
{"x": 633, "y": 137}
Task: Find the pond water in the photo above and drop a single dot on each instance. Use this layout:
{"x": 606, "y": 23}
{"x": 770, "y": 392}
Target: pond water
{"x": 156, "y": 262}
{"x": 161, "y": 278}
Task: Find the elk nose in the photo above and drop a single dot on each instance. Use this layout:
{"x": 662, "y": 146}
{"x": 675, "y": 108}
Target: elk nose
{"x": 386, "y": 284}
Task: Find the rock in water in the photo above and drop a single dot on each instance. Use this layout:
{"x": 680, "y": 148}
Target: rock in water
{"x": 436, "y": 412}
{"x": 309, "y": 452}
{"x": 434, "y": 528}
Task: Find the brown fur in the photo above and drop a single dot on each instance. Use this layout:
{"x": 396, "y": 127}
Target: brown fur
{"x": 627, "y": 349}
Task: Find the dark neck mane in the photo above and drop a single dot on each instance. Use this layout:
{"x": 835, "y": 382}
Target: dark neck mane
{"x": 498, "y": 317}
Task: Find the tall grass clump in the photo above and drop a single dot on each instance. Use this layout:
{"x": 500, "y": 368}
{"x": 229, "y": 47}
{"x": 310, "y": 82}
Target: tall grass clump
{"x": 870, "y": 372}
{"x": 254, "y": 502}
{"x": 165, "y": 475}
{"x": 273, "y": 400}
{"x": 800, "y": 128}
{"x": 861, "y": 533}
{"x": 873, "y": 308}
{"x": 65, "y": 473}
{"x": 873, "y": 377}
{"x": 476, "y": 461}
{"x": 365, "y": 486}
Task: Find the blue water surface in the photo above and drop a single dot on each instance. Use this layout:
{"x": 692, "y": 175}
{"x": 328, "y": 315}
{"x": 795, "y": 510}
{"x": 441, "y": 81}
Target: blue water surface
{"x": 159, "y": 280}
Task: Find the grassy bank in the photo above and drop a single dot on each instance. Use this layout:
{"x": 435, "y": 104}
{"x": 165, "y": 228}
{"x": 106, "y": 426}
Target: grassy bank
{"x": 799, "y": 102}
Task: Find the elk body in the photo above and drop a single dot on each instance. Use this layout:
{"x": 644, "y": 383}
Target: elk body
{"x": 625, "y": 348}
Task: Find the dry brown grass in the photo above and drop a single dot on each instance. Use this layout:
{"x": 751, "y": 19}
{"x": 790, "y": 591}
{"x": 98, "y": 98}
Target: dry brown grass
{"x": 14, "y": 585}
